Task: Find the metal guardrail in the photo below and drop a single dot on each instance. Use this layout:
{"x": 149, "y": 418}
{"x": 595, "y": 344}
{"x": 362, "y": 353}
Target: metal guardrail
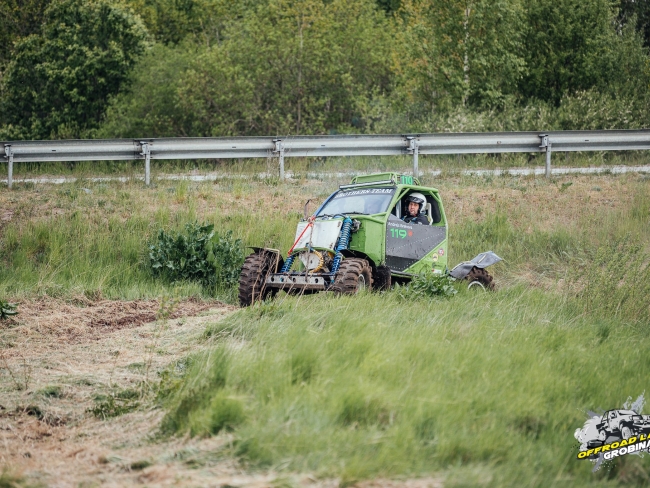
{"x": 315, "y": 146}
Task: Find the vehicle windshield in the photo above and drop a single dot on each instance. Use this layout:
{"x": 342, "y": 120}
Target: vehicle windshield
{"x": 366, "y": 201}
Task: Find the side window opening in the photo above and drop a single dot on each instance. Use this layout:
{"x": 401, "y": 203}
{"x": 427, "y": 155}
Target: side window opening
{"x": 400, "y": 208}
{"x": 435, "y": 210}
{"x": 432, "y": 208}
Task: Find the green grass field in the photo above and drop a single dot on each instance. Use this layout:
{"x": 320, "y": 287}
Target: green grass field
{"x": 481, "y": 389}
{"x": 485, "y": 388}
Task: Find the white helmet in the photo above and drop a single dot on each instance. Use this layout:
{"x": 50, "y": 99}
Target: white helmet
{"x": 417, "y": 198}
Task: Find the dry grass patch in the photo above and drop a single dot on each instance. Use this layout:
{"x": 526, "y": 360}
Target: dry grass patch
{"x": 59, "y": 359}
{"x": 81, "y": 318}
{"x": 536, "y": 203}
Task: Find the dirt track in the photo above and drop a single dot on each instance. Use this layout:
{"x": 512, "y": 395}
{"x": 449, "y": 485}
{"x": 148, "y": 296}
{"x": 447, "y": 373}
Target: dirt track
{"x": 58, "y": 358}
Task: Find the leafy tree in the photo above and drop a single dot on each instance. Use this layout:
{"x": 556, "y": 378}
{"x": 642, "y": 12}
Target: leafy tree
{"x": 59, "y": 81}
{"x": 389, "y": 6}
{"x": 204, "y": 21}
{"x": 308, "y": 64}
{"x": 151, "y": 106}
{"x": 286, "y": 67}
{"x": 636, "y": 13}
{"x": 20, "y": 18}
{"x": 573, "y": 45}
{"x": 459, "y": 51}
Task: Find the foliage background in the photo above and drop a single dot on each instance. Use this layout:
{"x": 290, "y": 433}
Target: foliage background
{"x": 146, "y": 68}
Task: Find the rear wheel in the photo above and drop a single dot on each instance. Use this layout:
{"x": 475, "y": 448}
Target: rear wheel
{"x": 353, "y": 276}
{"x": 252, "y": 280}
{"x": 480, "y": 278}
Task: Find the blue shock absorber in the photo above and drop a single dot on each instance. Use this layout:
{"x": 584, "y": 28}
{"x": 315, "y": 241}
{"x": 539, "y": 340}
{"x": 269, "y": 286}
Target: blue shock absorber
{"x": 344, "y": 242}
{"x": 288, "y": 263}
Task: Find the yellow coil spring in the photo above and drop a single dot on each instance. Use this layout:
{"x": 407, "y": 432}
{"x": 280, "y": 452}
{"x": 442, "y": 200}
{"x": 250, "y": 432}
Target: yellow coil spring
{"x": 321, "y": 262}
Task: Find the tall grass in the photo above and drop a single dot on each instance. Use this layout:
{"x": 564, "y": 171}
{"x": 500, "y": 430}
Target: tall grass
{"x": 378, "y": 386}
{"x": 91, "y": 237}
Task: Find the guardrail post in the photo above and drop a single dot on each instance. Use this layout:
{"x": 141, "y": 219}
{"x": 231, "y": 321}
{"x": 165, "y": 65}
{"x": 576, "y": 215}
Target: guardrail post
{"x": 9, "y": 154}
{"x": 279, "y": 150}
{"x": 146, "y": 152}
{"x": 546, "y": 144}
{"x": 413, "y": 149}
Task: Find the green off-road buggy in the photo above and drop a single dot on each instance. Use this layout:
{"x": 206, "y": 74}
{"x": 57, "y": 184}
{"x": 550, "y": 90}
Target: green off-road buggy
{"x": 357, "y": 239}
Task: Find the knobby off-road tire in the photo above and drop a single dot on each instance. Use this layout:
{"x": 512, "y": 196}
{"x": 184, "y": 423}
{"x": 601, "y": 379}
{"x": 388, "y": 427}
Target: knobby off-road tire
{"x": 481, "y": 276}
{"x": 252, "y": 280}
{"x": 382, "y": 279}
{"x": 353, "y": 276}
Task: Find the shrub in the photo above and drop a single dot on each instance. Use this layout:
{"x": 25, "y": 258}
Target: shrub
{"x": 428, "y": 285}
{"x": 198, "y": 254}
{"x": 59, "y": 81}
{"x": 107, "y": 406}
{"x": 6, "y": 310}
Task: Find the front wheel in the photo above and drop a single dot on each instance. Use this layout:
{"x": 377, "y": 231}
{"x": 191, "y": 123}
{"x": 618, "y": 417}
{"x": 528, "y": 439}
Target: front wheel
{"x": 354, "y": 275}
{"x": 252, "y": 280}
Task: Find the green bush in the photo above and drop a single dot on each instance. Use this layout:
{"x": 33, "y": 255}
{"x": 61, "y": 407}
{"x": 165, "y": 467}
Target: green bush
{"x": 6, "y": 310}
{"x": 198, "y": 254}
{"x": 114, "y": 405}
{"x": 428, "y": 285}
{"x": 59, "y": 81}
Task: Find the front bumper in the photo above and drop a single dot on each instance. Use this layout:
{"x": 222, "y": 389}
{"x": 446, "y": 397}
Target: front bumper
{"x": 298, "y": 281}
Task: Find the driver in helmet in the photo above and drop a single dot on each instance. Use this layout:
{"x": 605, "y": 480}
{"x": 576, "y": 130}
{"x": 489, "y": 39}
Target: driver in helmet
{"x": 414, "y": 214}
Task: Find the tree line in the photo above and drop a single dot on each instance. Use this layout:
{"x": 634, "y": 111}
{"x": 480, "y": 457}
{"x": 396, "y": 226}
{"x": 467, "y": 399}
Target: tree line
{"x": 152, "y": 68}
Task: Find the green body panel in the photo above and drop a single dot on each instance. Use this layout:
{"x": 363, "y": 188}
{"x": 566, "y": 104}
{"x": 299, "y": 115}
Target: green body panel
{"x": 369, "y": 239}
